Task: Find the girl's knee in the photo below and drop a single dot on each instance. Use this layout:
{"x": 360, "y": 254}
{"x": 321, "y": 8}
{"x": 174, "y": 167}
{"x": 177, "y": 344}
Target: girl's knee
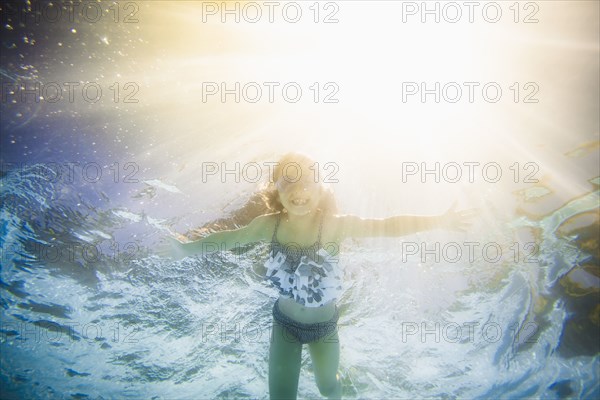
{"x": 330, "y": 387}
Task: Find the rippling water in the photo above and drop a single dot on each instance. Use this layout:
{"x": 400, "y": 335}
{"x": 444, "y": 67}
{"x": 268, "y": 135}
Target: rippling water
{"x": 114, "y": 323}
{"x": 87, "y": 191}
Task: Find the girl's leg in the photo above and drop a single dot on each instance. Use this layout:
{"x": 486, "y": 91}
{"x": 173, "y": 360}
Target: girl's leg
{"x": 285, "y": 357}
{"x": 325, "y": 355}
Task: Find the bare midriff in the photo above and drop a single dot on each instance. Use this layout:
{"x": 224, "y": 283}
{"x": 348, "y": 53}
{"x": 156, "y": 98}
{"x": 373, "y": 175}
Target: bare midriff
{"x": 307, "y": 315}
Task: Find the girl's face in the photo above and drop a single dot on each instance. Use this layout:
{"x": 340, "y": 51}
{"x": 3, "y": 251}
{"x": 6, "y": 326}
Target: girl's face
{"x": 299, "y": 195}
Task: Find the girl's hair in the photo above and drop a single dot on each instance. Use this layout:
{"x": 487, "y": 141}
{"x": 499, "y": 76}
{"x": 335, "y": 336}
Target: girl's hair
{"x": 270, "y": 193}
{"x": 266, "y": 199}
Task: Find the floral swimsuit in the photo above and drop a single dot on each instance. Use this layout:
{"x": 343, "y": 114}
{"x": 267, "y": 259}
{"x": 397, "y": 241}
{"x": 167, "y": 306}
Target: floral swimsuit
{"x": 309, "y": 275}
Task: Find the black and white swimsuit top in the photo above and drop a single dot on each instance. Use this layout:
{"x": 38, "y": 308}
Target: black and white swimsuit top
{"x": 309, "y": 275}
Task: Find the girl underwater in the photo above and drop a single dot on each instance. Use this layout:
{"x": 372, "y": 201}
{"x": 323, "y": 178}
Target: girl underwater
{"x": 304, "y": 232}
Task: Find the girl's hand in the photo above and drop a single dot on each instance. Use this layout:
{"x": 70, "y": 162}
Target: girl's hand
{"x": 171, "y": 247}
{"x": 458, "y": 220}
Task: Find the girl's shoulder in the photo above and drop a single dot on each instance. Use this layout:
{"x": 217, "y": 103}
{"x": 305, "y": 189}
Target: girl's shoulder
{"x": 265, "y": 221}
{"x": 333, "y": 218}
{"x": 332, "y": 226}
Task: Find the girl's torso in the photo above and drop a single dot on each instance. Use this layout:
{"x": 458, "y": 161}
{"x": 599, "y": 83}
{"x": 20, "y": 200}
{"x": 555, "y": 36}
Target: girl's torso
{"x": 307, "y": 276}
{"x": 307, "y": 315}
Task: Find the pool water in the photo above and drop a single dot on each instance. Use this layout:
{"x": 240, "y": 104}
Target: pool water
{"x": 89, "y": 189}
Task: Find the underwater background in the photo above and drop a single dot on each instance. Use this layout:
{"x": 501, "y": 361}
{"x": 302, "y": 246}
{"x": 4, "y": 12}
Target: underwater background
{"x": 127, "y": 138}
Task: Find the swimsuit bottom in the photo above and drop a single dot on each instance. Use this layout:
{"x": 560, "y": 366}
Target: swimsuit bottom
{"x": 303, "y": 332}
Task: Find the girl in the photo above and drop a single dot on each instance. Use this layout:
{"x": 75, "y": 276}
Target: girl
{"x": 304, "y": 234}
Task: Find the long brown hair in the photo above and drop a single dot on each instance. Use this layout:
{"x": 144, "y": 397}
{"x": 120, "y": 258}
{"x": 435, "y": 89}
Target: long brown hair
{"x": 265, "y": 200}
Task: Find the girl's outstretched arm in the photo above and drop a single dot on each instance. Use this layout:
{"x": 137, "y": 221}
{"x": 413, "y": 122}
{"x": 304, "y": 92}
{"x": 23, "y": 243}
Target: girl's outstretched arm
{"x": 257, "y": 230}
{"x": 353, "y": 226}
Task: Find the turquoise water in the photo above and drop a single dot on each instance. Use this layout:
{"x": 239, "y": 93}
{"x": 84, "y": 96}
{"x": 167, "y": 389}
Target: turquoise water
{"x": 89, "y": 189}
{"x": 118, "y": 323}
